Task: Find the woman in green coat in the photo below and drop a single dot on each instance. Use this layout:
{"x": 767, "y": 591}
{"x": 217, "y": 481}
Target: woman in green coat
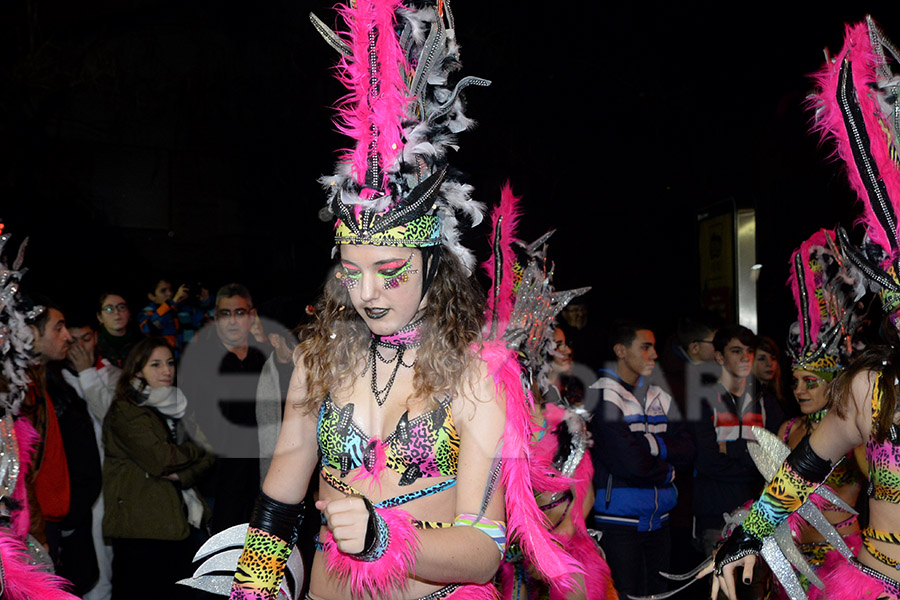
{"x": 154, "y": 457}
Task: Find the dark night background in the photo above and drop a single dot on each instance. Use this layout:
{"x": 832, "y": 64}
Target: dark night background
{"x": 186, "y": 138}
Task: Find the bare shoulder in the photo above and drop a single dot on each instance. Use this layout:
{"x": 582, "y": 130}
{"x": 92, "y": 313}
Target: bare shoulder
{"x": 861, "y": 390}
{"x": 479, "y": 396}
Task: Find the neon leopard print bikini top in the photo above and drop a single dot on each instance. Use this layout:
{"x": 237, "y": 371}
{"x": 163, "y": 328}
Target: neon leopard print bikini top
{"x": 426, "y": 446}
{"x": 883, "y": 457}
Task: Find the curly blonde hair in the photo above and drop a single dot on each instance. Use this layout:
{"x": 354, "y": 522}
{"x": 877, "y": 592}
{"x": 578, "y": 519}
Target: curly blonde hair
{"x": 337, "y": 339}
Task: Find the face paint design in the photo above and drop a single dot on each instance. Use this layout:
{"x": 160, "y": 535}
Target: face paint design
{"x": 349, "y": 277}
{"x": 396, "y": 273}
{"x": 810, "y": 381}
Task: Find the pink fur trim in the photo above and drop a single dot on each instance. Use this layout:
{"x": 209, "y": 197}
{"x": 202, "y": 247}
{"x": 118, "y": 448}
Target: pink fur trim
{"x": 25, "y": 581}
{"x": 598, "y": 581}
{"x": 509, "y": 211}
{"x": 28, "y": 439}
{"x": 474, "y": 591}
{"x": 544, "y": 477}
{"x": 857, "y": 48}
{"x": 388, "y": 574}
{"x": 526, "y": 523}
{"x": 843, "y": 581}
{"x": 360, "y": 110}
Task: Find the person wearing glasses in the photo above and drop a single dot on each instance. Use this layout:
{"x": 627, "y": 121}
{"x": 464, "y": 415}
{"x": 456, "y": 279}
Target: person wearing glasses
{"x": 116, "y": 338}
{"x": 220, "y": 372}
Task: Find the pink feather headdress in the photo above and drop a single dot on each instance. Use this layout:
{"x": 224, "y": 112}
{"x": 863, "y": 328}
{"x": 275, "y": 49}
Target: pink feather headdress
{"x": 403, "y": 112}
{"x": 857, "y": 107}
{"x": 825, "y": 289}
{"x": 522, "y": 304}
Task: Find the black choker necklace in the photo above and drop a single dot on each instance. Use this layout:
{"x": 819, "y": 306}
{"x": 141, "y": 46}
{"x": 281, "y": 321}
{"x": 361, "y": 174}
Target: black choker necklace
{"x": 407, "y": 337}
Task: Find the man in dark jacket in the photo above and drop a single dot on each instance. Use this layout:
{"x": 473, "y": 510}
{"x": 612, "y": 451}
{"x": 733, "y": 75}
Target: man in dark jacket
{"x": 219, "y": 375}
{"x": 633, "y": 454}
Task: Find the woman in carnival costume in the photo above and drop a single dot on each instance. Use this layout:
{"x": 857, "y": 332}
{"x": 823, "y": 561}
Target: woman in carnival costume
{"x": 523, "y": 306}
{"x": 25, "y": 567}
{"x": 857, "y": 106}
{"x": 422, "y": 426}
{"x": 825, "y": 294}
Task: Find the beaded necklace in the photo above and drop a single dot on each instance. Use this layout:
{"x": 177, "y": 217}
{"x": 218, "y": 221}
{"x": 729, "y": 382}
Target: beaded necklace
{"x": 409, "y": 336}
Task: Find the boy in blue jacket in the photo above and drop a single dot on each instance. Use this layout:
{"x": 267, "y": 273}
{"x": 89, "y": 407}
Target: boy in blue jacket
{"x": 633, "y": 454}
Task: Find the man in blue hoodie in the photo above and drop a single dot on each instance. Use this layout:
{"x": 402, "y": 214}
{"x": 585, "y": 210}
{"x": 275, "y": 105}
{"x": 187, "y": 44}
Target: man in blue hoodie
{"x": 633, "y": 453}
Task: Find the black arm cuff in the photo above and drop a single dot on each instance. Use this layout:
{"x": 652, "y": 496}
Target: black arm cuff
{"x": 807, "y": 463}
{"x": 277, "y": 518}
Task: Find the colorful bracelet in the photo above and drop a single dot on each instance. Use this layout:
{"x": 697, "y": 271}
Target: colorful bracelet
{"x": 496, "y": 530}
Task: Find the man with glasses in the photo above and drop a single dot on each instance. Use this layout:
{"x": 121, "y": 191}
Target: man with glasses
{"x": 219, "y": 375}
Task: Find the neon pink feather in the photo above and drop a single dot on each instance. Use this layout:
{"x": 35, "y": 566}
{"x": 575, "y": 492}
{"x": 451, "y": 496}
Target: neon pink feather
{"x": 359, "y": 111}
{"x": 474, "y": 591}
{"x": 28, "y": 439}
{"x": 525, "y": 521}
{"x": 373, "y": 477}
{"x": 506, "y": 215}
{"x": 388, "y": 574}
{"x": 25, "y": 581}
{"x": 830, "y": 123}
{"x": 598, "y": 581}
{"x": 544, "y": 477}
{"x": 844, "y": 581}
{"x": 812, "y": 282}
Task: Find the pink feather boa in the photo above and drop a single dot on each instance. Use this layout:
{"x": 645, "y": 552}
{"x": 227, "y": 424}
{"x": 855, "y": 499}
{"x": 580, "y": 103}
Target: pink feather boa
{"x": 597, "y": 578}
{"x": 525, "y": 521}
{"x": 378, "y": 578}
{"x": 843, "y": 581}
{"x": 545, "y": 478}
{"x": 506, "y": 217}
{"x": 474, "y": 591}
{"x": 28, "y": 439}
{"x": 25, "y": 581}
{"x": 830, "y": 123}
{"x": 360, "y": 109}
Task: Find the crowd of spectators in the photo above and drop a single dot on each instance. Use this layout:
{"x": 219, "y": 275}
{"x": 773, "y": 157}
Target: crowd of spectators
{"x": 151, "y": 431}
{"x": 156, "y": 431}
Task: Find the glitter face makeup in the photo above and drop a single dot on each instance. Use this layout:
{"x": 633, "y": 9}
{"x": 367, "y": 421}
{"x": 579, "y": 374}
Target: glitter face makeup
{"x": 374, "y": 277}
{"x": 349, "y": 277}
{"x": 396, "y": 273}
{"x": 810, "y": 381}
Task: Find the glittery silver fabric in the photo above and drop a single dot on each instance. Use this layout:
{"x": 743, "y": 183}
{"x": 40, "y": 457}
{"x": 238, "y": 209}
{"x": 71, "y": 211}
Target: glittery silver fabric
{"x": 782, "y": 569}
{"x": 9, "y": 457}
{"x": 785, "y": 541}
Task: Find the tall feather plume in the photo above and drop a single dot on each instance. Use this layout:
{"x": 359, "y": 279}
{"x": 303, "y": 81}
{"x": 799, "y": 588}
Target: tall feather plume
{"x": 811, "y": 309}
{"x": 848, "y": 83}
{"x": 504, "y": 223}
{"x": 373, "y": 110}
{"x": 527, "y": 524}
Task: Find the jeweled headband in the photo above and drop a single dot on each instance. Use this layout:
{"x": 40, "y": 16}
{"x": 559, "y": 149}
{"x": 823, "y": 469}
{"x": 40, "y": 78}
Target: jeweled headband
{"x": 403, "y": 111}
